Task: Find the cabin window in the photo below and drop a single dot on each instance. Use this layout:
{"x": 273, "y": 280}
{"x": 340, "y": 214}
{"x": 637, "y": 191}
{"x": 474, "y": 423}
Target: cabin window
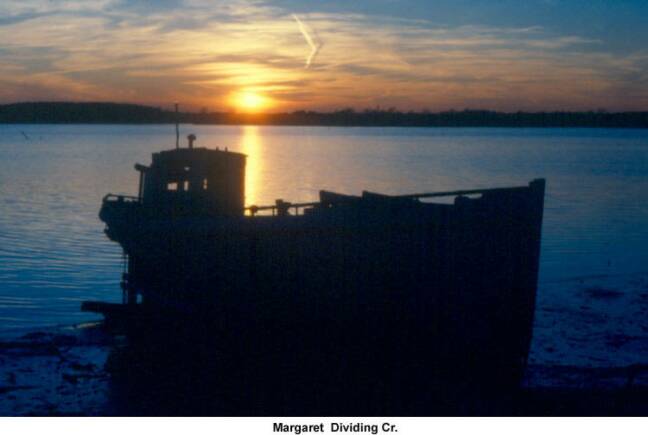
{"x": 173, "y": 186}
{"x": 185, "y": 186}
{"x": 205, "y": 184}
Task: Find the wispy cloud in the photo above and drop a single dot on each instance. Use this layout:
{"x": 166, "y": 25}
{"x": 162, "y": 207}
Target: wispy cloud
{"x": 312, "y": 39}
{"x": 199, "y": 51}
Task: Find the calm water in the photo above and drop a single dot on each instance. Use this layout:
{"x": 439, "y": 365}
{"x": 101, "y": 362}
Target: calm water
{"x": 593, "y": 295}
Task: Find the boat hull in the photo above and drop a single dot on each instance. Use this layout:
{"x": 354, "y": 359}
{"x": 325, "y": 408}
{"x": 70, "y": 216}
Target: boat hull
{"x": 394, "y": 293}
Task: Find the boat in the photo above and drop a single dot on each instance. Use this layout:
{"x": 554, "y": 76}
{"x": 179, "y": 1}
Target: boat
{"x": 386, "y": 289}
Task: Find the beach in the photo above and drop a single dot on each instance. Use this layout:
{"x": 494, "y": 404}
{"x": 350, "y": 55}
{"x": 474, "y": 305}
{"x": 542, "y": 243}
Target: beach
{"x": 81, "y": 370}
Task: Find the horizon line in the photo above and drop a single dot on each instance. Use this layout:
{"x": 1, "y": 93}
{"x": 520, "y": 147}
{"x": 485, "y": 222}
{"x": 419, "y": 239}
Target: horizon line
{"x": 391, "y": 109}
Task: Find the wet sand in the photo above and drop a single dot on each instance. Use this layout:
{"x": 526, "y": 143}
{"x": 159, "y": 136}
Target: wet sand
{"x": 72, "y": 371}
{"x": 56, "y": 372}
{"x": 588, "y": 358}
{"x": 592, "y": 321}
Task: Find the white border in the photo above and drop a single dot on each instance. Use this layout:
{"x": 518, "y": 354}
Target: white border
{"x": 264, "y": 425}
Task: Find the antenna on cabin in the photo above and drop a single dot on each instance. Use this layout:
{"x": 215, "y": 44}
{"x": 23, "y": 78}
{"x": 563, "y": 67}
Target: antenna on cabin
{"x": 177, "y": 127}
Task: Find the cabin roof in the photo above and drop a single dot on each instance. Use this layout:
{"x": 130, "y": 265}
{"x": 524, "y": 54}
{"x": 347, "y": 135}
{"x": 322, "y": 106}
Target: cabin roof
{"x": 203, "y": 156}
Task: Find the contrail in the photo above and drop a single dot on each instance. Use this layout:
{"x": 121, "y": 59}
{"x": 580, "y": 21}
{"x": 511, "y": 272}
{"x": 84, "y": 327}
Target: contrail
{"x": 313, "y": 41}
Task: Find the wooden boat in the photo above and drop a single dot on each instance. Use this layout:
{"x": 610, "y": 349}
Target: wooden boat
{"x": 388, "y": 287}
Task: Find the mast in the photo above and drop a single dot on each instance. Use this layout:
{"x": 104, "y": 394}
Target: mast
{"x": 177, "y": 127}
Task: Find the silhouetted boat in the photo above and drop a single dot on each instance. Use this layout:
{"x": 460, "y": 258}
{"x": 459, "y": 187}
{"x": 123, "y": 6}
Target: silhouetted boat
{"x": 389, "y": 288}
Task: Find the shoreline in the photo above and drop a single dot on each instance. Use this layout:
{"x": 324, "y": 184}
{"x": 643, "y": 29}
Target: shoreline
{"x": 350, "y": 126}
{"x": 70, "y": 371}
{"x": 106, "y": 112}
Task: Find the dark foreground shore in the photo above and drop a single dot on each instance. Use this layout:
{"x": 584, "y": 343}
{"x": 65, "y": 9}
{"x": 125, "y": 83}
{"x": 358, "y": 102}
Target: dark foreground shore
{"x": 82, "y": 371}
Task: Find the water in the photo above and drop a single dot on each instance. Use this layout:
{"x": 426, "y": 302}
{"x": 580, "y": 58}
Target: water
{"x": 593, "y": 293}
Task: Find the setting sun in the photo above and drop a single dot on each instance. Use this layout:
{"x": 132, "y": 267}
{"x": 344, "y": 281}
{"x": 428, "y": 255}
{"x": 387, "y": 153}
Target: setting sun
{"x": 250, "y": 101}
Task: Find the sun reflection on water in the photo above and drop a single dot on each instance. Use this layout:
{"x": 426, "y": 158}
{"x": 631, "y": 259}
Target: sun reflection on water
{"x": 252, "y": 146}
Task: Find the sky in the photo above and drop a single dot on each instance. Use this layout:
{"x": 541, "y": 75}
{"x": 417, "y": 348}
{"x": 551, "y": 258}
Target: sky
{"x": 285, "y": 55}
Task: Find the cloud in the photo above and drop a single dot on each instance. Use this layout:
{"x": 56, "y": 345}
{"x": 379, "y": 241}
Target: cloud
{"x": 18, "y": 18}
{"x": 312, "y": 39}
{"x": 199, "y": 51}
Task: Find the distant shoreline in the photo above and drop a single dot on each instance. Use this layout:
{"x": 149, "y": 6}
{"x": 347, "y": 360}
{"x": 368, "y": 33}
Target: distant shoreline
{"x": 116, "y": 113}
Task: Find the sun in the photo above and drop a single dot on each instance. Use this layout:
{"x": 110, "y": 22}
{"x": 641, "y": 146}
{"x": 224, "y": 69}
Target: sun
{"x": 250, "y": 101}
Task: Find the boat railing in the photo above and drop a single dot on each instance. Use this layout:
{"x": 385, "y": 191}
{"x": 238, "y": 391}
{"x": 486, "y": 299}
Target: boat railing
{"x": 111, "y": 197}
{"x": 282, "y": 208}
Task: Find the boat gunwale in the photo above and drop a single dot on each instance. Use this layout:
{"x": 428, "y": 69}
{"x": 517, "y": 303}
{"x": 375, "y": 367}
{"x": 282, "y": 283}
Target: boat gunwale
{"x": 283, "y": 205}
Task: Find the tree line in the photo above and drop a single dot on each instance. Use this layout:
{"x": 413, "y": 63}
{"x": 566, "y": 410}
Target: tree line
{"x": 115, "y": 113}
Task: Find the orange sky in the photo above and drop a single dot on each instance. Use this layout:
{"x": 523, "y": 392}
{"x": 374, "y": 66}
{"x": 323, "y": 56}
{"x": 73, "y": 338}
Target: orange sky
{"x": 254, "y": 55}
